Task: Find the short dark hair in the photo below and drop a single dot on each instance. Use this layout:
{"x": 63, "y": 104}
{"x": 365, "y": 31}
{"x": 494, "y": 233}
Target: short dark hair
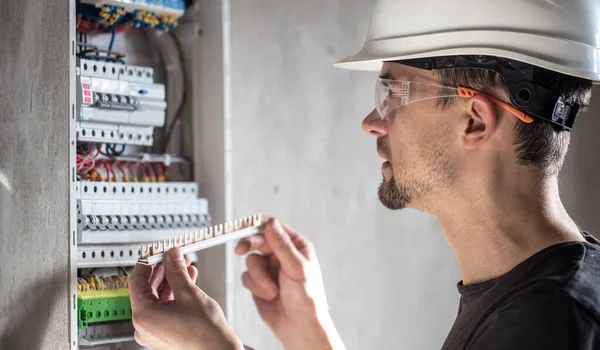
{"x": 540, "y": 144}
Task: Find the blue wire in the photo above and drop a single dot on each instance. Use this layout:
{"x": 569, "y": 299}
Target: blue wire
{"x": 112, "y": 37}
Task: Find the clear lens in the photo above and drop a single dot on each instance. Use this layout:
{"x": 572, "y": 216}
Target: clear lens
{"x": 392, "y": 94}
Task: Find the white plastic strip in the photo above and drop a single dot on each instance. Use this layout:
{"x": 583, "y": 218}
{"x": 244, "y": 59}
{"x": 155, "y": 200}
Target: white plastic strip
{"x": 104, "y": 341}
{"x": 115, "y": 133}
{"x": 136, "y": 190}
{"x": 90, "y": 256}
{"x": 131, "y": 236}
{"x": 117, "y": 71}
{"x": 146, "y": 207}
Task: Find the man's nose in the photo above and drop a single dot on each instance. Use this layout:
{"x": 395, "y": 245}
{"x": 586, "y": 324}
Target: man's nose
{"x": 374, "y": 125}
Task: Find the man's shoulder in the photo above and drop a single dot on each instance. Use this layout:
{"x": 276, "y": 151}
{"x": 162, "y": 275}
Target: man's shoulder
{"x": 584, "y": 285}
{"x": 543, "y": 319}
{"x": 572, "y": 280}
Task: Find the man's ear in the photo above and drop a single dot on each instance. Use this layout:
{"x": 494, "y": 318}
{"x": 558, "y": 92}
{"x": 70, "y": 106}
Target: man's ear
{"x": 479, "y": 122}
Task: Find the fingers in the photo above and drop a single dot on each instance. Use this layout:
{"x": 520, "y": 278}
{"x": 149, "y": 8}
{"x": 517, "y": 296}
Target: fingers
{"x": 140, "y": 290}
{"x": 291, "y": 260}
{"x": 193, "y": 272}
{"x": 158, "y": 278}
{"x": 301, "y": 243}
{"x": 258, "y": 278}
{"x": 253, "y": 243}
{"x": 177, "y": 274}
{"x": 258, "y": 243}
{"x": 166, "y": 293}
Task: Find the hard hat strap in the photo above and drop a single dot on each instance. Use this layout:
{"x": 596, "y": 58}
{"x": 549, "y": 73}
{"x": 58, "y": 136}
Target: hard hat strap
{"x": 526, "y": 92}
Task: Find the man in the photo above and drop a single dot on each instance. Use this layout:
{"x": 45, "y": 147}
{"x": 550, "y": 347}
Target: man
{"x": 474, "y": 105}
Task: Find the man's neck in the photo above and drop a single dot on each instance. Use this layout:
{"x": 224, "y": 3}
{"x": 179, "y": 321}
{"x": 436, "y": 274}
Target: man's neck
{"x": 493, "y": 232}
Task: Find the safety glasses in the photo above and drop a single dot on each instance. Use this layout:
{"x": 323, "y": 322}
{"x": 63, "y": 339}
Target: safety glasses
{"x": 392, "y": 94}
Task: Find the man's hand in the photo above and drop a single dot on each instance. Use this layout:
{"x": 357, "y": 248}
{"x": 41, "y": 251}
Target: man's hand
{"x": 288, "y": 288}
{"x": 173, "y": 313}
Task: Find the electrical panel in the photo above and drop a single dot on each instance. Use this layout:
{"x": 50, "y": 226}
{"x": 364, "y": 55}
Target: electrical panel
{"x": 133, "y": 195}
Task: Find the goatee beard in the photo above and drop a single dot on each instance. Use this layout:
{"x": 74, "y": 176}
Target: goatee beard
{"x": 393, "y": 196}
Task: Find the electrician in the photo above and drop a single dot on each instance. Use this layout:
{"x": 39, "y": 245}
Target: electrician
{"x": 474, "y": 107}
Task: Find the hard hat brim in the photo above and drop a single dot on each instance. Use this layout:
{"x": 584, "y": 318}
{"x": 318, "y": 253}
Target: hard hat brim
{"x": 564, "y": 56}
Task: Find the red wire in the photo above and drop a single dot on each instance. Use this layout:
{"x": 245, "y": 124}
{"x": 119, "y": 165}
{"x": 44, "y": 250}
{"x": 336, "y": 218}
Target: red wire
{"x": 130, "y": 167}
{"x": 105, "y": 163}
{"x": 159, "y": 168}
{"x": 141, "y": 167}
{"x": 120, "y": 167}
{"x": 91, "y": 160}
{"x": 150, "y": 170}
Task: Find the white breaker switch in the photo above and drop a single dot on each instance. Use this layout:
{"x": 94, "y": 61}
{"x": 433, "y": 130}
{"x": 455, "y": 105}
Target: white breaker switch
{"x": 118, "y": 103}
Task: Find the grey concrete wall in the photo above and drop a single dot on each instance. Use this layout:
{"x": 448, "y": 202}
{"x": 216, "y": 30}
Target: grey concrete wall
{"x": 34, "y": 174}
{"x": 299, "y": 153}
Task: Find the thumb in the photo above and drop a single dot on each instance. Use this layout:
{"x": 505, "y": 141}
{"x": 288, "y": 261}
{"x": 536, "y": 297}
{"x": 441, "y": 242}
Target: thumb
{"x": 177, "y": 274}
{"x": 291, "y": 260}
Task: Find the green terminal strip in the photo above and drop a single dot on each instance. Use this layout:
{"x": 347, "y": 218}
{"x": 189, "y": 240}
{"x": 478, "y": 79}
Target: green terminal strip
{"x": 98, "y": 306}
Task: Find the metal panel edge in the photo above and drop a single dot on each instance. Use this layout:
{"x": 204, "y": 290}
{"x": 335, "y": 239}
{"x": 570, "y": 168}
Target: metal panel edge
{"x": 206, "y": 58}
{"x": 72, "y": 181}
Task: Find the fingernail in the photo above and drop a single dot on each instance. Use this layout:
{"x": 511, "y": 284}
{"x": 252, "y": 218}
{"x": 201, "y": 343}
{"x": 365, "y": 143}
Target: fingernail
{"x": 277, "y": 226}
{"x": 242, "y": 247}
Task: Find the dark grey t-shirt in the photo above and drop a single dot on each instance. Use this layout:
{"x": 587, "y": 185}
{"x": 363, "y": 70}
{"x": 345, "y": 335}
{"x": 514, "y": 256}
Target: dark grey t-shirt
{"x": 550, "y": 301}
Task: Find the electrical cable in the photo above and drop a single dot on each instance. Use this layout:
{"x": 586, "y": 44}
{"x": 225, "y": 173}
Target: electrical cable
{"x": 190, "y": 126}
{"x": 171, "y": 56}
{"x": 132, "y": 171}
{"x": 150, "y": 170}
{"x": 112, "y": 36}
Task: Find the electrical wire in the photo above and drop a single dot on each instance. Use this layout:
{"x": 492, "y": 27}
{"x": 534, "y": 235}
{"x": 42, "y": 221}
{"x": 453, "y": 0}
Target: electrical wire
{"x": 112, "y": 36}
{"x": 119, "y": 166}
{"x": 142, "y": 171}
{"x": 190, "y": 126}
{"x": 150, "y": 171}
{"x": 132, "y": 171}
{"x": 176, "y": 96}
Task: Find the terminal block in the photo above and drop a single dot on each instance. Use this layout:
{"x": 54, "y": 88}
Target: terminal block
{"x": 101, "y": 306}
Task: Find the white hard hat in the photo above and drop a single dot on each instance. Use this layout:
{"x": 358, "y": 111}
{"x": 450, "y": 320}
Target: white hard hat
{"x": 558, "y": 35}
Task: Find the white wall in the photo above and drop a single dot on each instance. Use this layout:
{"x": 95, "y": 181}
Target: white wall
{"x": 299, "y": 153}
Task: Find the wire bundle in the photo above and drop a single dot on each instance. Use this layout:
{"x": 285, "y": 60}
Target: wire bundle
{"x": 110, "y": 16}
{"x": 92, "y": 167}
{"x": 95, "y": 282}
